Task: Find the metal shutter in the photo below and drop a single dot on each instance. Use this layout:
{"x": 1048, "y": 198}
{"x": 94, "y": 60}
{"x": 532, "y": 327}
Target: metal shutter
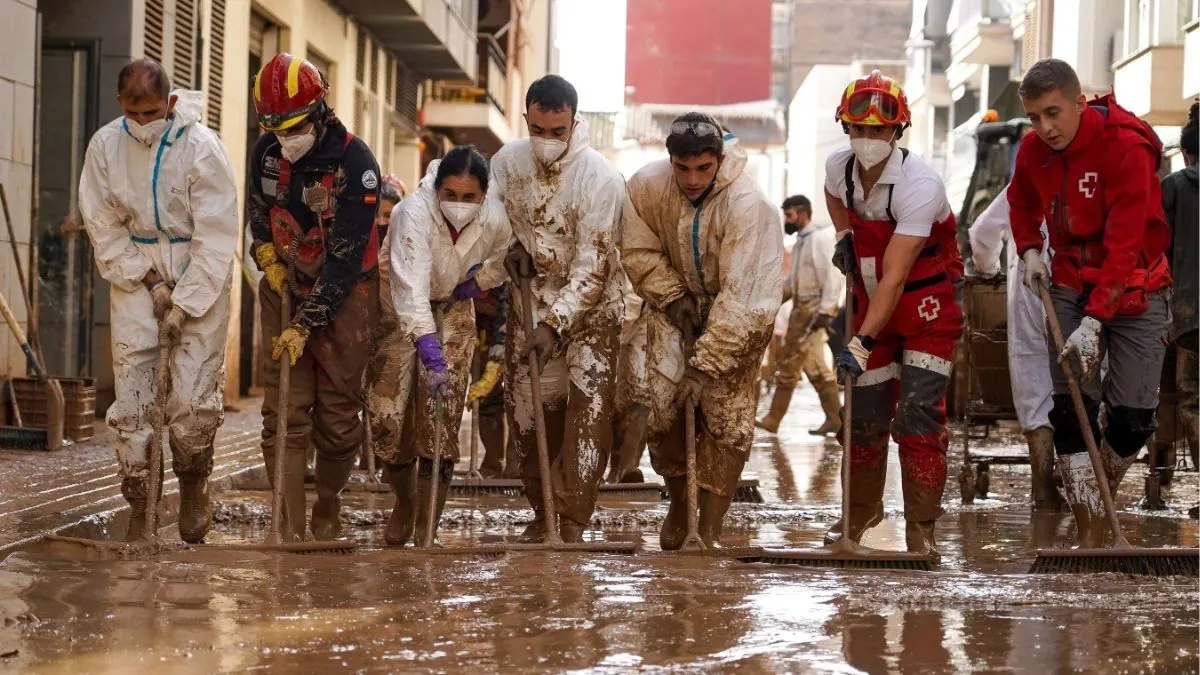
{"x": 154, "y": 30}
{"x": 216, "y": 64}
{"x": 185, "y": 44}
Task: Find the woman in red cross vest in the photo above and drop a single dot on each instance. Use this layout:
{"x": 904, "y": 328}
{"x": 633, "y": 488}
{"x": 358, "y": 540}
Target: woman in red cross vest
{"x": 313, "y": 193}
{"x": 896, "y": 243}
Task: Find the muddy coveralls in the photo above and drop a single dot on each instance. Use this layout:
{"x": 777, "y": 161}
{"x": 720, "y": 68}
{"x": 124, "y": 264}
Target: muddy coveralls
{"x": 426, "y": 260}
{"x": 633, "y": 402}
{"x": 903, "y": 388}
{"x": 1180, "y": 206}
{"x": 491, "y": 317}
{"x": 734, "y": 276}
{"x": 1102, "y": 202}
{"x": 167, "y": 204}
{"x": 815, "y": 287}
{"x": 319, "y": 214}
{"x": 564, "y": 215}
{"x": 1028, "y": 357}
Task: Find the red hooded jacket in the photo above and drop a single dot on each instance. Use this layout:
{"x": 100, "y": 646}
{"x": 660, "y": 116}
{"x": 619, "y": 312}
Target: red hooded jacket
{"x": 1102, "y": 203}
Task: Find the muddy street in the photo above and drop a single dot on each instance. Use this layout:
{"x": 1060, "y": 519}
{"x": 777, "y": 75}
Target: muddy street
{"x": 207, "y": 611}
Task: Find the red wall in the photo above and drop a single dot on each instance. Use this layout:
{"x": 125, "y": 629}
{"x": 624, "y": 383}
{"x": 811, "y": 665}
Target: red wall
{"x": 705, "y": 52}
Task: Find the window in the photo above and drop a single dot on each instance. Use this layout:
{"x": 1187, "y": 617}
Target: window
{"x": 325, "y": 66}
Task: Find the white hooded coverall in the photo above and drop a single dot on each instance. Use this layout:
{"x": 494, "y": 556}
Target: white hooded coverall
{"x": 168, "y": 206}
{"x": 422, "y": 265}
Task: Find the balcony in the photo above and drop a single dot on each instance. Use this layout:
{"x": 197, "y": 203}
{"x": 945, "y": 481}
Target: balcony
{"x": 434, "y": 38}
{"x": 473, "y": 111}
{"x": 980, "y": 33}
{"x": 1191, "y": 66}
{"x": 1149, "y": 83}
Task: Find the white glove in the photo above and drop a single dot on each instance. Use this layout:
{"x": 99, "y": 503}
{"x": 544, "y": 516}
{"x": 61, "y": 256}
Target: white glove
{"x": 1035, "y": 268}
{"x": 988, "y": 269}
{"x": 1084, "y": 343}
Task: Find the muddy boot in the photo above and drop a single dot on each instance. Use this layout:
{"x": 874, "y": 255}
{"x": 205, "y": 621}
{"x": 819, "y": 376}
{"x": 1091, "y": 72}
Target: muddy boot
{"x": 195, "y": 516}
{"x": 779, "y": 408}
{"x": 831, "y": 404}
{"x": 674, "y": 526}
{"x": 326, "y": 513}
{"x": 134, "y": 491}
{"x": 918, "y": 536}
{"x": 712, "y": 515}
{"x": 535, "y": 531}
{"x": 1115, "y": 467}
{"x": 491, "y": 435}
{"x": 400, "y": 525}
{"x": 1083, "y": 494}
{"x": 1046, "y": 496}
{"x": 633, "y": 476}
{"x": 570, "y": 531}
{"x": 424, "y": 485}
{"x": 862, "y": 518}
{"x": 866, "y": 511}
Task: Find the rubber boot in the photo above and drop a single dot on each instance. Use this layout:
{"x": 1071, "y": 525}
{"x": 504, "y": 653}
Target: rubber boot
{"x": 779, "y": 407}
{"x": 400, "y": 525}
{"x": 866, "y": 511}
{"x": 831, "y": 404}
{"x": 1046, "y": 496}
{"x": 195, "y": 515}
{"x": 134, "y": 491}
{"x": 326, "y": 513}
{"x": 862, "y": 518}
{"x": 535, "y": 531}
{"x": 674, "y": 526}
{"x": 627, "y": 459}
{"x": 918, "y": 536}
{"x": 712, "y": 515}
{"x": 570, "y": 531}
{"x": 1115, "y": 467}
{"x": 491, "y": 435}
{"x": 424, "y": 485}
{"x": 1083, "y": 495}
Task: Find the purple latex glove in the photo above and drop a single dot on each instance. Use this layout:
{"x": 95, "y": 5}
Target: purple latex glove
{"x": 467, "y": 290}
{"x": 429, "y": 348}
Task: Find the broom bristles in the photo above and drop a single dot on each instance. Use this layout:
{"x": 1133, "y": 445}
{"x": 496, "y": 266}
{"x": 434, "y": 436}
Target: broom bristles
{"x": 1144, "y": 562}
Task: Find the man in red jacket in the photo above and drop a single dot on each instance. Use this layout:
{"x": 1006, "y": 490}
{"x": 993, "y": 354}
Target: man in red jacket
{"x": 1090, "y": 171}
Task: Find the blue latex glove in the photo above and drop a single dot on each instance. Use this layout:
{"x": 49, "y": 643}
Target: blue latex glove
{"x": 467, "y": 290}
{"x": 429, "y": 349}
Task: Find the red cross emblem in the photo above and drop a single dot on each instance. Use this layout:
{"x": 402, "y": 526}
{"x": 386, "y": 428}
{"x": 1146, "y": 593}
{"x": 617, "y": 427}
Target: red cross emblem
{"x": 1087, "y": 184}
{"x": 929, "y": 308}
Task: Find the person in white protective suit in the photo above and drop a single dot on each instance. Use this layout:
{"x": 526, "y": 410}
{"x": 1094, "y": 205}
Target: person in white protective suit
{"x": 1027, "y": 356}
{"x": 703, "y": 246}
{"x": 446, "y": 245}
{"x": 632, "y": 395}
{"x": 564, "y": 202}
{"x": 159, "y": 201}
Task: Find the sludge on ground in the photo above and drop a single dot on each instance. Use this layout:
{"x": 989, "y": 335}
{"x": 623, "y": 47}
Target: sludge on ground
{"x": 210, "y": 612}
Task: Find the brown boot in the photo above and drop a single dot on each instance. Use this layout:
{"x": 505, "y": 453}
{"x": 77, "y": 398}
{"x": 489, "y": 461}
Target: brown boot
{"x": 674, "y": 526}
{"x": 779, "y": 408}
{"x": 862, "y": 518}
{"x": 918, "y": 536}
{"x": 195, "y": 516}
{"x": 491, "y": 434}
{"x": 866, "y": 489}
{"x": 712, "y": 515}
{"x": 831, "y": 404}
{"x": 1041, "y": 463}
{"x": 570, "y": 531}
{"x": 535, "y": 531}
{"x": 1083, "y": 494}
{"x": 1115, "y": 467}
{"x": 400, "y": 524}
{"x": 294, "y": 467}
{"x": 134, "y": 491}
{"x": 326, "y": 513}
{"x": 424, "y": 486}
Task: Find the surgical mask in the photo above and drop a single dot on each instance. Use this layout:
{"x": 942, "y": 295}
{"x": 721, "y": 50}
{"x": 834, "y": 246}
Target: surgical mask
{"x": 547, "y": 150}
{"x": 146, "y": 133}
{"x": 294, "y": 147}
{"x": 459, "y": 213}
{"x": 870, "y": 151}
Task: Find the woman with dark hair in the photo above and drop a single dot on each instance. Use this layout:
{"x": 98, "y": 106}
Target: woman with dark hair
{"x": 446, "y": 245}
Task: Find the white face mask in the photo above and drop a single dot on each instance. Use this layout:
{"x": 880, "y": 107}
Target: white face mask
{"x": 294, "y": 147}
{"x": 548, "y": 150}
{"x": 146, "y": 133}
{"x": 870, "y": 151}
{"x": 459, "y": 213}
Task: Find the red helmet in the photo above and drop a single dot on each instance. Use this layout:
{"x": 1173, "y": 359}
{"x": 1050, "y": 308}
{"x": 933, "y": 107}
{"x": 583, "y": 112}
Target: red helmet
{"x": 875, "y": 100}
{"x": 287, "y": 91}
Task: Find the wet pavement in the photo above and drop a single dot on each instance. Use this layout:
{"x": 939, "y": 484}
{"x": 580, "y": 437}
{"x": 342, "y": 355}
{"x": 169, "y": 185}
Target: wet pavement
{"x": 210, "y": 611}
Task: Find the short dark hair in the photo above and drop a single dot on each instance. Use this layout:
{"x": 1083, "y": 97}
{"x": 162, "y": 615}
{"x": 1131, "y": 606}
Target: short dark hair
{"x": 1189, "y": 135}
{"x": 691, "y": 144}
{"x": 1048, "y": 75}
{"x": 553, "y": 93}
{"x": 799, "y": 203}
{"x": 462, "y": 160}
{"x": 391, "y": 192}
{"x": 142, "y": 80}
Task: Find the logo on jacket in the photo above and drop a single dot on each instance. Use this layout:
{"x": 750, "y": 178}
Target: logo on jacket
{"x": 1087, "y": 184}
{"x": 929, "y": 308}
{"x": 370, "y": 180}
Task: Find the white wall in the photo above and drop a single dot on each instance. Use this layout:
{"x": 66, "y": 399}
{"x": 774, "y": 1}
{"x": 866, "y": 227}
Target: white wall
{"x": 1082, "y": 36}
{"x": 590, "y": 36}
{"x": 813, "y": 134}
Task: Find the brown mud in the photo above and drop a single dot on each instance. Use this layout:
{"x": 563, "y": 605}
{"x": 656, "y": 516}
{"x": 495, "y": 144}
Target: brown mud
{"x": 208, "y": 611}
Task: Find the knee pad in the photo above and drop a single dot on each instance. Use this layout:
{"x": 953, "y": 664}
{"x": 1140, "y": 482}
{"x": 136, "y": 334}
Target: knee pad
{"x": 445, "y": 471}
{"x": 1068, "y": 435}
{"x": 1129, "y": 428}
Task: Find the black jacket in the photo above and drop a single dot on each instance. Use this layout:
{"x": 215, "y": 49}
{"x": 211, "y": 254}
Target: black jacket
{"x": 1179, "y": 191}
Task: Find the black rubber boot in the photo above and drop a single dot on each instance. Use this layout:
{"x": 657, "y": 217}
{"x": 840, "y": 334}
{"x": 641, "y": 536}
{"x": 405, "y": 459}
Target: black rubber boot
{"x": 326, "y": 512}
{"x": 402, "y": 478}
{"x": 674, "y": 526}
{"x": 424, "y": 486}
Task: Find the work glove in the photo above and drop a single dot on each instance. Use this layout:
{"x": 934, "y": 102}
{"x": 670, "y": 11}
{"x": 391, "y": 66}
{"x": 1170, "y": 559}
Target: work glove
{"x": 485, "y": 384}
{"x": 160, "y": 293}
{"x": 274, "y": 271}
{"x": 292, "y": 339}
{"x": 986, "y": 269}
{"x": 693, "y": 384}
{"x": 843, "y": 253}
{"x": 853, "y": 359}
{"x": 437, "y": 375}
{"x": 1083, "y": 348}
{"x": 172, "y": 325}
{"x": 518, "y": 263}
{"x": 818, "y": 321}
{"x": 1036, "y": 274}
{"x": 544, "y": 341}
{"x": 467, "y": 290}
{"x": 683, "y": 313}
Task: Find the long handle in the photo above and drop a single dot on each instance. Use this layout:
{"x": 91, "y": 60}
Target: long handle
{"x": 844, "y": 542}
{"x": 692, "y": 542}
{"x": 285, "y": 384}
{"x": 1084, "y": 423}
{"x": 19, "y": 334}
{"x": 431, "y": 517}
{"x": 12, "y": 397}
{"x": 158, "y": 422}
{"x": 539, "y": 421}
{"x": 473, "y": 471}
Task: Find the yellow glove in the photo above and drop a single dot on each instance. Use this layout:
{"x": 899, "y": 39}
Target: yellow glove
{"x": 293, "y": 339}
{"x": 484, "y": 385}
{"x": 274, "y": 270}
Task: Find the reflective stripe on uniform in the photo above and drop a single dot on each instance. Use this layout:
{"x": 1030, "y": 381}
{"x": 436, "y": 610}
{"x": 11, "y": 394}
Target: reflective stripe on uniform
{"x": 870, "y": 279}
{"x": 878, "y": 375}
{"x": 928, "y": 362}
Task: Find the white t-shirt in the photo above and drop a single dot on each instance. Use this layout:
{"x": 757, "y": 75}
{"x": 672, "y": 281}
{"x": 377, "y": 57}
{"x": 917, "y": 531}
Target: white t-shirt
{"x": 918, "y": 201}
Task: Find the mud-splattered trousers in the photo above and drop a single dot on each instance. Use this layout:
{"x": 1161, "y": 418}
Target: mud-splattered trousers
{"x": 803, "y": 352}
{"x": 578, "y": 393}
{"x": 1187, "y": 379}
{"x": 195, "y": 407}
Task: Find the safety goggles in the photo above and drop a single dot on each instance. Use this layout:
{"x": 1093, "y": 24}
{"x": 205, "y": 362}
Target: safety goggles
{"x": 698, "y": 128}
{"x": 862, "y": 105}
